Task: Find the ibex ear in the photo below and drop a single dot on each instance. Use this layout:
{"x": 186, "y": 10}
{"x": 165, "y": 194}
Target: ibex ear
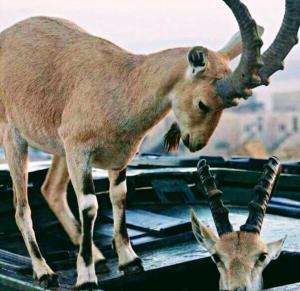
{"x": 234, "y": 46}
{"x": 203, "y": 234}
{"x": 274, "y": 248}
{"x": 197, "y": 58}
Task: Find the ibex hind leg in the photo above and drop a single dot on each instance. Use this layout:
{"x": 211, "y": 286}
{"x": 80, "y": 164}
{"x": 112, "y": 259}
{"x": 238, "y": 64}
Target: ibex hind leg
{"x": 16, "y": 152}
{"x": 54, "y": 190}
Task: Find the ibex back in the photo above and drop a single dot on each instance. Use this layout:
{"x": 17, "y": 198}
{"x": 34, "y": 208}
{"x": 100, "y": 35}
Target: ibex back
{"x": 89, "y": 102}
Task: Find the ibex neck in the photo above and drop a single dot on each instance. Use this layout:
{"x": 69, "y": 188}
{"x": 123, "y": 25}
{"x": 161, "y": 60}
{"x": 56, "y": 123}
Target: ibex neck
{"x": 152, "y": 82}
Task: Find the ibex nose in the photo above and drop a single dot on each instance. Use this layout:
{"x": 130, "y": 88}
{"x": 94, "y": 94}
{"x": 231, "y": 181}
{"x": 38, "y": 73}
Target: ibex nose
{"x": 193, "y": 145}
{"x": 196, "y": 146}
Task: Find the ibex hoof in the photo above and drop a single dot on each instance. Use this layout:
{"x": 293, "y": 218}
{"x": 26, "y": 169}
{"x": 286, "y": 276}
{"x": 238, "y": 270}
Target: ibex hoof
{"x": 47, "y": 281}
{"x": 133, "y": 267}
{"x": 87, "y": 286}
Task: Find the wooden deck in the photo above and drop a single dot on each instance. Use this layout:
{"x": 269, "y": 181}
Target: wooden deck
{"x": 160, "y": 261}
{"x": 160, "y": 202}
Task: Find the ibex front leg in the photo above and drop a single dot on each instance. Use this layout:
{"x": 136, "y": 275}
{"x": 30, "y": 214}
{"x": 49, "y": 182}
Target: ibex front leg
{"x": 16, "y": 152}
{"x": 80, "y": 170}
{"x": 128, "y": 260}
{"x": 54, "y": 190}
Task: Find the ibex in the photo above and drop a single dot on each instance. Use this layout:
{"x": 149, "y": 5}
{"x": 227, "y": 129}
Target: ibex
{"x": 89, "y": 102}
{"x": 240, "y": 256}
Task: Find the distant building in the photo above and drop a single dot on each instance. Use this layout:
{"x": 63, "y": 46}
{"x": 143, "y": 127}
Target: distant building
{"x": 247, "y": 129}
{"x": 251, "y": 105}
{"x": 286, "y": 102}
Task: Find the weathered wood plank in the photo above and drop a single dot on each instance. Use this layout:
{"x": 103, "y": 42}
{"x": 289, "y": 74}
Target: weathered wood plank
{"x": 153, "y": 222}
{"x": 290, "y": 287}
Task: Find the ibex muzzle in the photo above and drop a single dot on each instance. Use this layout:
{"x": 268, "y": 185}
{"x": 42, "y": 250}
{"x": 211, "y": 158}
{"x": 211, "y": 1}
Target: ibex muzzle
{"x": 240, "y": 256}
{"x": 89, "y": 102}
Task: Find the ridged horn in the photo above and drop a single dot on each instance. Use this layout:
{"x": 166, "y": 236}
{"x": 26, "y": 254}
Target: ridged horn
{"x": 286, "y": 38}
{"x": 213, "y": 194}
{"x": 263, "y": 191}
{"x": 238, "y": 84}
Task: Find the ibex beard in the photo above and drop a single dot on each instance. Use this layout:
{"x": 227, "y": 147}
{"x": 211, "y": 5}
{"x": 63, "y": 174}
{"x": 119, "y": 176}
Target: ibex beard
{"x": 89, "y": 102}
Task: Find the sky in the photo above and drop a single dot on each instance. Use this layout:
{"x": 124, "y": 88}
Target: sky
{"x": 144, "y": 26}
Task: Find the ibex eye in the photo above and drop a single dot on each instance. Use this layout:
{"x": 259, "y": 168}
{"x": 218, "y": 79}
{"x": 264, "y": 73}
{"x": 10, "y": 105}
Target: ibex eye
{"x": 203, "y": 107}
{"x": 262, "y": 257}
{"x": 216, "y": 258}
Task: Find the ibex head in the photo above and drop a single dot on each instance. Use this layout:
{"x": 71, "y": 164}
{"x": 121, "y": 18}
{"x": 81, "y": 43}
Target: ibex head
{"x": 240, "y": 256}
{"x": 209, "y": 86}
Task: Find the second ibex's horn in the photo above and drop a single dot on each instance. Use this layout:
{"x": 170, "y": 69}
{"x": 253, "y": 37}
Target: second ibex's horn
{"x": 263, "y": 191}
{"x": 213, "y": 194}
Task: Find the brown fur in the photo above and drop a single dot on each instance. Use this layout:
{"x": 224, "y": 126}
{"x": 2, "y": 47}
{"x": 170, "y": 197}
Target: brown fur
{"x": 121, "y": 89}
{"x": 237, "y": 256}
{"x": 239, "y": 252}
{"x": 89, "y": 102}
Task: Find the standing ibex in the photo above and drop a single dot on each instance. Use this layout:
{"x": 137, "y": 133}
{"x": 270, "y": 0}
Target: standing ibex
{"x": 89, "y": 102}
{"x": 240, "y": 256}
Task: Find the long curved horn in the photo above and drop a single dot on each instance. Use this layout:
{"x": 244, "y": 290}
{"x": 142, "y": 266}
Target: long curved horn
{"x": 239, "y": 83}
{"x": 218, "y": 210}
{"x": 285, "y": 40}
{"x": 263, "y": 190}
